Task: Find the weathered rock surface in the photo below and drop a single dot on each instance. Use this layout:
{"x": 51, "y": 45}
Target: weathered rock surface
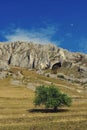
{"x": 37, "y": 56}
{"x": 29, "y": 55}
{"x": 72, "y": 79}
{"x": 3, "y": 65}
{"x": 4, "y": 74}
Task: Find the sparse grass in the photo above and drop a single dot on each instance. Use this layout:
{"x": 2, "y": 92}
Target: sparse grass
{"x": 17, "y": 111}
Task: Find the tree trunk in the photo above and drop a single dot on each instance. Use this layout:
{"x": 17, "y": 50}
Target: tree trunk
{"x": 55, "y": 108}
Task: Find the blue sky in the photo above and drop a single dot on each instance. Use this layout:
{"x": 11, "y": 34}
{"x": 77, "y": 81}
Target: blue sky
{"x": 62, "y": 22}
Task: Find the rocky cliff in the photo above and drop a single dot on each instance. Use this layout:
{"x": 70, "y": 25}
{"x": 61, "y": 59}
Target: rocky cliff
{"x": 37, "y": 56}
{"x": 73, "y": 66}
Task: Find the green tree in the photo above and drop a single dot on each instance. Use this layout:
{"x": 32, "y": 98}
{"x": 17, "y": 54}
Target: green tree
{"x": 51, "y": 97}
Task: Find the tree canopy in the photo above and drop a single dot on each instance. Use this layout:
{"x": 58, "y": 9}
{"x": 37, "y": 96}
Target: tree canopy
{"x": 51, "y": 97}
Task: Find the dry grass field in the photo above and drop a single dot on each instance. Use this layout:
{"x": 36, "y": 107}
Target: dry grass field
{"x": 17, "y": 111}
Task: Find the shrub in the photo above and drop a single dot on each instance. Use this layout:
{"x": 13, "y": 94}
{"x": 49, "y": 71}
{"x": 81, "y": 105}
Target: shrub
{"x": 51, "y": 97}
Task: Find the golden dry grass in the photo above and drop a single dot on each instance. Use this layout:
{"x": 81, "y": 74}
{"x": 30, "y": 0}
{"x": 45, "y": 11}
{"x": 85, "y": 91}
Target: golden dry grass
{"x": 17, "y": 111}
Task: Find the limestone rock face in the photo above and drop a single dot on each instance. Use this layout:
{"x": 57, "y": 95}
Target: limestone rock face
{"x": 3, "y": 65}
{"x": 29, "y": 55}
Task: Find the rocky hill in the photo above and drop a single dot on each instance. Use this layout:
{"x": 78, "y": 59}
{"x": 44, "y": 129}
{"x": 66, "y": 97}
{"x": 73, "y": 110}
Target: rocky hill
{"x": 41, "y": 57}
{"x": 37, "y": 56}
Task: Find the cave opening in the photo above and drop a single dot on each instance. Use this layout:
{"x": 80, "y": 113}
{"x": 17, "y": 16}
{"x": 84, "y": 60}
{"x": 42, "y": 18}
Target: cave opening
{"x": 56, "y": 65}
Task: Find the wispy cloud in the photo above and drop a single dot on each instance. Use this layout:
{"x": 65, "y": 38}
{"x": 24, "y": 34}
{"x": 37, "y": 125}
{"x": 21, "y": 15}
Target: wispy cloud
{"x": 37, "y": 35}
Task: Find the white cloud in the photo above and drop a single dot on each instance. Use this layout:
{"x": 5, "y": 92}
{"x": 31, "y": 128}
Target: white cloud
{"x": 38, "y": 35}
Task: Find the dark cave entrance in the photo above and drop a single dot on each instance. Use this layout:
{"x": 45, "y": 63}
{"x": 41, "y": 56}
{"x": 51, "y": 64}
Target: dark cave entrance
{"x": 56, "y": 65}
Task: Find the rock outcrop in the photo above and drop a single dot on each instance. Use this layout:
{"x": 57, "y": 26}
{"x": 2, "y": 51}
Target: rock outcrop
{"x": 72, "y": 79}
{"x": 29, "y": 55}
{"x": 70, "y": 66}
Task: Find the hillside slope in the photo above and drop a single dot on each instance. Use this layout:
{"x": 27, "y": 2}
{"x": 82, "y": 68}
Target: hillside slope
{"x": 71, "y": 66}
{"x": 17, "y": 111}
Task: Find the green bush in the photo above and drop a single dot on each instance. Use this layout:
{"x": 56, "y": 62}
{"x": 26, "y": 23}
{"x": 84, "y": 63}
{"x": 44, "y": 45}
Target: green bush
{"x": 51, "y": 97}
